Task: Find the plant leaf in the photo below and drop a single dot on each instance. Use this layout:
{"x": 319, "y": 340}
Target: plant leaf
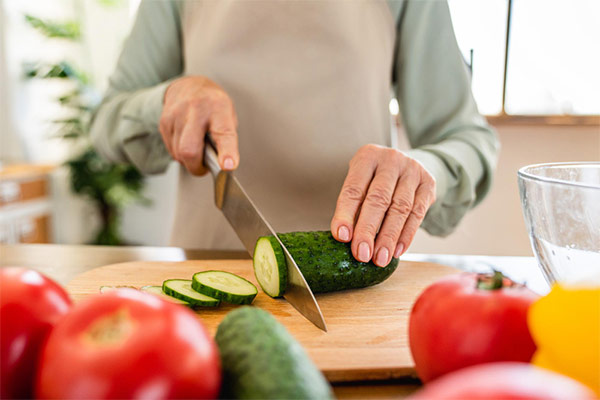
{"x": 70, "y": 30}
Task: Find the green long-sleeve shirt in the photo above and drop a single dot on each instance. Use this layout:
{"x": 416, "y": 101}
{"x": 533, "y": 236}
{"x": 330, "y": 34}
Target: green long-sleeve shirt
{"x": 419, "y": 58}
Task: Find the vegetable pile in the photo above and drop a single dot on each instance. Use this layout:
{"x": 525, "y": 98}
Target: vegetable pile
{"x": 127, "y": 343}
{"x": 472, "y": 336}
{"x": 120, "y": 344}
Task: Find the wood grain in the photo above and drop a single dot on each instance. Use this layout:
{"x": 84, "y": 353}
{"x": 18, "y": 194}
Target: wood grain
{"x": 367, "y": 337}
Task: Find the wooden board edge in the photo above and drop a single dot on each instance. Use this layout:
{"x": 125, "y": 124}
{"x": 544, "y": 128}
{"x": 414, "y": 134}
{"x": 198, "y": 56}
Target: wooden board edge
{"x": 369, "y": 375}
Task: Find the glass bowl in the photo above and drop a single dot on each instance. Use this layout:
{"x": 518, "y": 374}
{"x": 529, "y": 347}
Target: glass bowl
{"x": 561, "y": 206}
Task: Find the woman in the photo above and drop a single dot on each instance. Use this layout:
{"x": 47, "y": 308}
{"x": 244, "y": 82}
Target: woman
{"x": 295, "y": 95}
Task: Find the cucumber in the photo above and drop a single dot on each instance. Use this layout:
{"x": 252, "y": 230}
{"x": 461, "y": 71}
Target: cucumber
{"x": 182, "y": 289}
{"x": 327, "y": 265}
{"x": 224, "y": 286}
{"x": 270, "y": 267}
{"x": 157, "y": 290}
{"x": 261, "y": 360}
{"x": 106, "y": 289}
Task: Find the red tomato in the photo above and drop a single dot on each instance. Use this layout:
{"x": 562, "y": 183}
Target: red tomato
{"x": 128, "y": 344}
{"x": 30, "y": 306}
{"x": 504, "y": 381}
{"x": 455, "y": 324}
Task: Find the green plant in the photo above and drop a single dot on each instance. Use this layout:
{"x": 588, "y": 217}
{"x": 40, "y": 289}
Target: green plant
{"x": 108, "y": 185}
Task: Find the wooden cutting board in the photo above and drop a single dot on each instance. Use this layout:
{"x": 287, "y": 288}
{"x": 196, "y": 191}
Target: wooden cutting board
{"x": 367, "y": 336}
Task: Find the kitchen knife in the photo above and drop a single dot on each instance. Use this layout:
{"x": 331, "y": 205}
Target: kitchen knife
{"x": 249, "y": 224}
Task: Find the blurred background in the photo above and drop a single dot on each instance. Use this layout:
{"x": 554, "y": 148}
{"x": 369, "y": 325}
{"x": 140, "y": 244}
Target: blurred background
{"x": 535, "y": 73}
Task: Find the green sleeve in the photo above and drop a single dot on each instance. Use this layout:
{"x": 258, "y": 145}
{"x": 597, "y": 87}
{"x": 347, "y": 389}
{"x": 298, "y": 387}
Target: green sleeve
{"x": 447, "y": 133}
{"x": 125, "y": 125}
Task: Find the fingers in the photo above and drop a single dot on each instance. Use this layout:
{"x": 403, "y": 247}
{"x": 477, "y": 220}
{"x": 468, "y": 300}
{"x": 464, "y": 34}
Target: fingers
{"x": 222, "y": 127}
{"x": 190, "y": 144}
{"x": 354, "y": 190}
{"x": 397, "y": 214}
{"x": 424, "y": 198}
{"x": 373, "y": 211}
{"x": 383, "y": 201}
{"x": 192, "y": 107}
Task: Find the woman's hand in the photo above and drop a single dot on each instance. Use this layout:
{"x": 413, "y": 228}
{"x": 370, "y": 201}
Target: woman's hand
{"x": 193, "y": 106}
{"x": 384, "y": 199}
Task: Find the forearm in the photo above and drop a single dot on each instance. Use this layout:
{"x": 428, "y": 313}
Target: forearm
{"x": 449, "y": 136}
{"x": 125, "y": 129}
{"x": 463, "y": 166}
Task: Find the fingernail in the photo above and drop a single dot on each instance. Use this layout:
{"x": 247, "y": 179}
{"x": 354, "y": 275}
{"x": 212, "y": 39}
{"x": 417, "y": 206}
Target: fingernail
{"x": 364, "y": 252}
{"x": 399, "y": 250}
{"x": 343, "y": 233}
{"x": 228, "y": 163}
{"x": 382, "y": 257}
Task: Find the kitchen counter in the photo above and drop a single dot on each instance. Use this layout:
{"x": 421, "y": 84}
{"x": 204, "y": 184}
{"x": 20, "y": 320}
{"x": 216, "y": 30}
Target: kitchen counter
{"x": 64, "y": 262}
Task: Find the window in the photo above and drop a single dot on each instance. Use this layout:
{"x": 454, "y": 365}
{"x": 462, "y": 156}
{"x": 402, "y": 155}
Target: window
{"x": 553, "y": 57}
{"x": 480, "y": 26}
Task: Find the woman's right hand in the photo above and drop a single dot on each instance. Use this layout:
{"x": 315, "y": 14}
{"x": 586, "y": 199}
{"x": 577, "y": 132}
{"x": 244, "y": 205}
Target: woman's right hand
{"x": 193, "y": 106}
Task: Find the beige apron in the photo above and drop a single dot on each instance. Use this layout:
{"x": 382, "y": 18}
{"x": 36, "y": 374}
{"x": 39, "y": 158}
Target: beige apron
{"x": 310, "y": 81}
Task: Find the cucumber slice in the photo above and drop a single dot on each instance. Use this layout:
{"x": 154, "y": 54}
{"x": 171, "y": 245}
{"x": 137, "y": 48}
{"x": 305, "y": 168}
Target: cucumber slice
{"x": 270, "y": 267}
{"x": 157, "y": 290}
{"x": 224, "y": 286}
{"x": 182, "y": 289}
{"x": 106, "y": 289}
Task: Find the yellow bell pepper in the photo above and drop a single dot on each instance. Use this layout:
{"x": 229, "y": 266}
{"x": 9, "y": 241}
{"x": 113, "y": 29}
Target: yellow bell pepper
{"x": 565, "y": 325}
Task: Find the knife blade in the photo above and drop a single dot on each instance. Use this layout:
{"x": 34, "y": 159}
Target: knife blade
{"x": 249, "y": 224}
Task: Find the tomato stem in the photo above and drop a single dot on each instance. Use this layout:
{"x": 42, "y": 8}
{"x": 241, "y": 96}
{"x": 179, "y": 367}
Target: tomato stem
{"x": 493, "y": 281}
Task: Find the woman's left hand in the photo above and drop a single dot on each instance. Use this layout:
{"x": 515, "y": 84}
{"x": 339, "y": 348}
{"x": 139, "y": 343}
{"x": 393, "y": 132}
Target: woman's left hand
{"x": 382, "y": 203}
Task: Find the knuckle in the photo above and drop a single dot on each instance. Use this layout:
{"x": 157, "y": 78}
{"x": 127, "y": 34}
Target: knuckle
{"x": 187, "y": 153}
{"x": 414, "y": 163}
{"x": 221, "y": 132}
{"x": 388, "y": 236}
{"x": 419, "y": 211}
{"x": 368, "y": 149}
{"x": 367, "y": 229}
{"x": 396, "y": 156}
{"x": 220, "y": 99}
{"x": 352, "y": 192}
{"x": 428, "y": 178}
{"x": 401, "y": 206}
{"x": 379, "y": 199}
{"x": 198, "y": 102}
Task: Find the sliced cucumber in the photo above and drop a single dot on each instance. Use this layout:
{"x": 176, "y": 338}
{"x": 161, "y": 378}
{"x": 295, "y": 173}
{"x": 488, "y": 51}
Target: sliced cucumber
{"x": 182, "y": 289}
{"x": 157, "y": 290}
{"x": 224, "y": 286}
{"x": 270, "y": 267}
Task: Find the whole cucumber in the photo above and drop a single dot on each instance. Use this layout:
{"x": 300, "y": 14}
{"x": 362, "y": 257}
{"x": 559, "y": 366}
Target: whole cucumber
{"x": 328, "y": 265}
{"x": 261, "y": 360}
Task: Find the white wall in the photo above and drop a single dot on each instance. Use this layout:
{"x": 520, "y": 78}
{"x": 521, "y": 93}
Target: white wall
{"x": 10, "y": 147}
{"x": 496, "y": 227}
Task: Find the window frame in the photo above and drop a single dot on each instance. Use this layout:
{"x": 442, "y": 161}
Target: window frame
{"x": 503, "y": 118}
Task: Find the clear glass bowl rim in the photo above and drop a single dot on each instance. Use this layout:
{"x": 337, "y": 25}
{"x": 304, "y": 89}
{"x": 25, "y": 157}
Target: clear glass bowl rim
{"x": 523, "y": 174}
